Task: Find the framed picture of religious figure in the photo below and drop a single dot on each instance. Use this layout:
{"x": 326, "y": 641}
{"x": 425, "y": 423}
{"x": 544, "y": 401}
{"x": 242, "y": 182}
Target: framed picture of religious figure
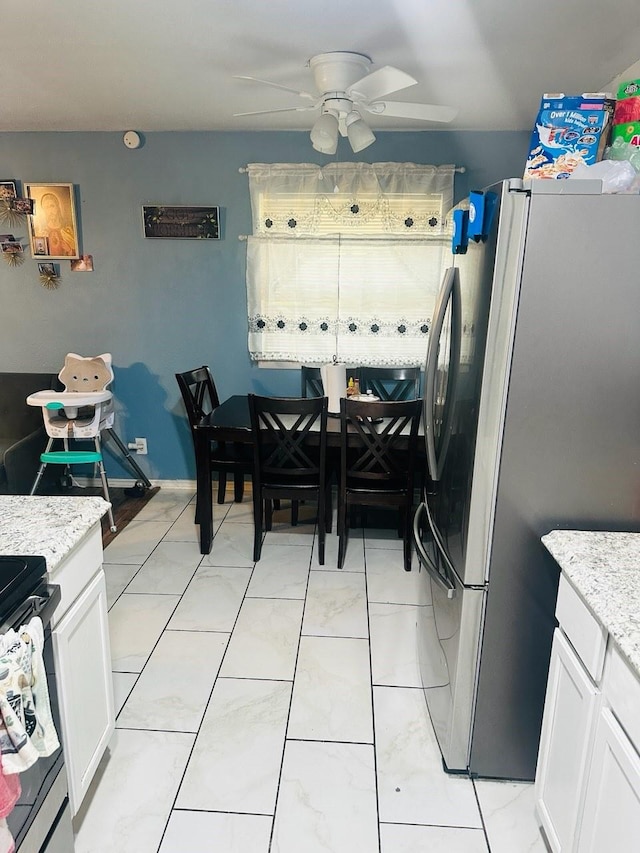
{"x": 52, "y": 224}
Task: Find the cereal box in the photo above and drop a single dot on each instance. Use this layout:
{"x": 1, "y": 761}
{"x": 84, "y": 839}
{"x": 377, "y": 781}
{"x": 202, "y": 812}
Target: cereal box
{"x": 570, "y": 131}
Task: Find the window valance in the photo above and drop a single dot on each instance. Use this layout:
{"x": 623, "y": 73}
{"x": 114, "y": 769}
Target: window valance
{"x": 304, "y": 200}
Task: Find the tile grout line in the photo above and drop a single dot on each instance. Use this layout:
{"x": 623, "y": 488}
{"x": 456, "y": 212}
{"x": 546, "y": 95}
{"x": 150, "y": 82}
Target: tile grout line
{"x": 117, "y": 598}
{"x": 293, "y": 683}
{"x": 180, "y": 597}
{"x": 141, "y": 565}
{"x": 138, "y": 674}
{"x": 482, "y": 820}
{"x": 207, "y": 703}
{"x": 373, "y": 711}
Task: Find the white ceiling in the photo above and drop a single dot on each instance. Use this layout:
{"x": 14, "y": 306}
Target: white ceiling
{"x": 154, "y": 65}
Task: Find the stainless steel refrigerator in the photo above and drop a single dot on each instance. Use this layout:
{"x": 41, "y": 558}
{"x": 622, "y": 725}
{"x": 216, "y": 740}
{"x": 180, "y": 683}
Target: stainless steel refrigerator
{"x": 532, "y": 420}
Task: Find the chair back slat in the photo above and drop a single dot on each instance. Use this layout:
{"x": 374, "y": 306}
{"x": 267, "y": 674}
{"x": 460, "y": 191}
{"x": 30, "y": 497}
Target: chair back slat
{"x": 311, "y": 382}
{"x": 198, "y": 393}
{"x": 391, "y": 383}
{"x": 283, "y": 444}
{"x": 384, "y": 454}
{"x": 289, "y": 436}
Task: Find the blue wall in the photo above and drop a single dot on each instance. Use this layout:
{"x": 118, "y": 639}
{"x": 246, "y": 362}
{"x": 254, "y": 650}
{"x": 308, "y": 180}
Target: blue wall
{"x": 163, "y": 306}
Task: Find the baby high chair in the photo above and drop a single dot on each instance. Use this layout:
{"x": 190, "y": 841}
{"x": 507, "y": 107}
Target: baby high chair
{"x": 82, "y": 411}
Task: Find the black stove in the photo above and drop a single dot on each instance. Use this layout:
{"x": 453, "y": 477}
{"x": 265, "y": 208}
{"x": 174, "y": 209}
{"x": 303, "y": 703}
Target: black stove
{"x": 19, "y": 577}
{"x": 25, "y": 593}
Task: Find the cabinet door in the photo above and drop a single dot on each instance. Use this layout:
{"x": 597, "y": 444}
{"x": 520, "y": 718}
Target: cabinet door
{"x": 83, "y": 675}
{"x": 612, "y": 805}
{"x": 571, "y": 705}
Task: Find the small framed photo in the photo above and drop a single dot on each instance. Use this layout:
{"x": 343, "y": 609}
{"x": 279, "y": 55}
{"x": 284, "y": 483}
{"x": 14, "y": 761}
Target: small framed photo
{"x": 11, "y": 248}
{"x": 40, "y": 246}
{"x": 83, "y": 264}
{"x": 21, "y": 205}
{"x": 8, "y": 190}
{"x": 53, "y": 216}
{"x": 180, "y": 222}
{"x": 47, "y": 269}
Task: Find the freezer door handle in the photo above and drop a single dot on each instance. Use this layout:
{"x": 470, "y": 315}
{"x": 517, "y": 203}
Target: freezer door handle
{"x": 449, "y": 293}
{"x": 425, "y": 560}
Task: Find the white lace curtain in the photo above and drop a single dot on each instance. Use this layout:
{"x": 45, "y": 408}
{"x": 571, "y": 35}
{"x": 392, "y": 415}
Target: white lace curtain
{"x": 345, "y": 260}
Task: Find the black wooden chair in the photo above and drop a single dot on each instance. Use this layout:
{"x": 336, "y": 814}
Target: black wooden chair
{"x": 311, "y": 382}
{"x": 377, "y": 463}
{"x": 289, "y": 442}
{"x": 391, "y": 383}
{"x": 200, "y": 398}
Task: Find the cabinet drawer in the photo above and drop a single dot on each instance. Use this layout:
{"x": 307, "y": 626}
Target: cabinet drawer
{"x": 622, "y": 692}
{"x": 582, "y": 629}
{"x": 76, "y": 570}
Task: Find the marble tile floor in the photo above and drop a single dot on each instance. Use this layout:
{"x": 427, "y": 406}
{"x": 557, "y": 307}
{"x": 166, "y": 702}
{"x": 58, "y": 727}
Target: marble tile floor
{"x": 275, "y": 707}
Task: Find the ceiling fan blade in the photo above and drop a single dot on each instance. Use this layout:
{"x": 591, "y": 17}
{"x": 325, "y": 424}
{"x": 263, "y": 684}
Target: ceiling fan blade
{"x": 307, "y": 95}
{"x": 422, "y": 112}
{"x": 381, "y": 82}
{"x": 281, "y": 110}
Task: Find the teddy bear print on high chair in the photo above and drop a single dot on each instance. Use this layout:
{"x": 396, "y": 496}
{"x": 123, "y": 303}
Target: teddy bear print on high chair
{"x": 93, "y": 373}
{"x": 86, "y": 377}
{"x": 85, "y": 407}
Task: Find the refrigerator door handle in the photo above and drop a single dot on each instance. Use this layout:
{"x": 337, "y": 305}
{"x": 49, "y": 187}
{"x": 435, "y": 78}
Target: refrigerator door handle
{"x": 449, "y": 292}
{"x": 425, "y": 560}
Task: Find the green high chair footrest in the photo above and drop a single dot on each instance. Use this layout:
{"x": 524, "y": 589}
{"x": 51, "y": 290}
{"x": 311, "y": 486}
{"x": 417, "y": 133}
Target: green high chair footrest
{"x": 70, "y": 457}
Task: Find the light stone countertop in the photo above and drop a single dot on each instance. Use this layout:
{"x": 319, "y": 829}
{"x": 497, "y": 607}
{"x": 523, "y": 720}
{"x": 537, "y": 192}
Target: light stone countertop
{"x": 604, "y": 568}
{"x": 49, "y": 526}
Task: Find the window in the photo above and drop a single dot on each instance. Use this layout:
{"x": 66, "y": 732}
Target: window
{"x": 345, "y": 260}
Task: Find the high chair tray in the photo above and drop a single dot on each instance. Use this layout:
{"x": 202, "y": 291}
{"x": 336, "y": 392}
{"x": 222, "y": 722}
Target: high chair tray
{"x": 68, "y": 398}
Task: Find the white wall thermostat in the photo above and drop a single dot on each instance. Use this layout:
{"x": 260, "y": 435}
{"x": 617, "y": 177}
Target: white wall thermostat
{"x": 132, "y": 139}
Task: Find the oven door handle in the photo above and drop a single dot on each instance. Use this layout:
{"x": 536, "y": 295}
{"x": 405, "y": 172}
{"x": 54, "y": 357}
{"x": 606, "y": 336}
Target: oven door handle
{"x": 44, "y": 605}
{"x": 35, "y": 605}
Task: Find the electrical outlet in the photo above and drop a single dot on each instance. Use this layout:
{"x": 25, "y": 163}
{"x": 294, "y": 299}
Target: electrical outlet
{"x": 141, "y": 446}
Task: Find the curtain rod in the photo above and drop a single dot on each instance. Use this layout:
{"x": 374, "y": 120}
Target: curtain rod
{"x": 460, "y": 169}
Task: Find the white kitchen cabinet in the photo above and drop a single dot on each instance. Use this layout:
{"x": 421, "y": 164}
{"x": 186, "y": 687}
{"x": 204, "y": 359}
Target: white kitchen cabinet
{"x": 83, "y": 670}
{"x": 588, "y": 774}
{"x": 571, "y": 706}
{"x": 80, "y": 634}
{"x": 611, "y": 819}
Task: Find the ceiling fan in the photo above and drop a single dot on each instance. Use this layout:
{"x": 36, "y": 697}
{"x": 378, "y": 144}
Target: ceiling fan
{"x": 346, "y": 88}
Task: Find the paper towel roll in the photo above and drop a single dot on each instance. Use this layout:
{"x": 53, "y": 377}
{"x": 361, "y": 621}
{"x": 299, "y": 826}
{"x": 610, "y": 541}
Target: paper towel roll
{"x": 334, "y": 382}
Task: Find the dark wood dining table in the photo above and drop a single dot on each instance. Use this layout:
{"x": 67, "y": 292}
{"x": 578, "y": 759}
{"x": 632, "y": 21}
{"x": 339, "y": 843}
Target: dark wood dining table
{"x": 230, "y": 422}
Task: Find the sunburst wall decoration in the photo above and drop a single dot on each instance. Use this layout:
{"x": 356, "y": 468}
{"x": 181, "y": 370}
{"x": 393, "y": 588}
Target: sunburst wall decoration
{"x": 49, "y": 277}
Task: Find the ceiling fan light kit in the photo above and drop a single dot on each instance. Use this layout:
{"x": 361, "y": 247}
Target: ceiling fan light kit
{"x": 346, "y": 89}
{"x": 324, "y": 133}
{"x": 359, "y": 133}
